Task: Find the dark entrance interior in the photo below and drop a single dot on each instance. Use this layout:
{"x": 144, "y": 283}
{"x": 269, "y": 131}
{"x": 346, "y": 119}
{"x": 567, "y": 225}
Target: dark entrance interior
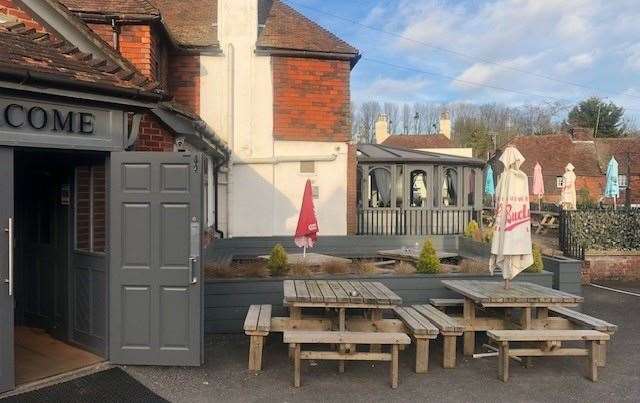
{"x": 60, "y": 267}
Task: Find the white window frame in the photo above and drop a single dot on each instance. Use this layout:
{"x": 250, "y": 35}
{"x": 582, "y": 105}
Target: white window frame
{"x": 559, "y": 182}
{"x": 623, "y": 182}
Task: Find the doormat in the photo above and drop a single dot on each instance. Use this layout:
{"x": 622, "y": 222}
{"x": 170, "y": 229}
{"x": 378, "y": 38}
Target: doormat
{"x": 112, "y": 385}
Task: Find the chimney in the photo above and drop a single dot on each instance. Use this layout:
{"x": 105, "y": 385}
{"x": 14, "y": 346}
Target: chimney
{"x": 444, "y": 126}
{"x": 382, "y": 128}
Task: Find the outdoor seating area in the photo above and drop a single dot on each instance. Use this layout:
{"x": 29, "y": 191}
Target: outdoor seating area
{"x": 366, "y": 321}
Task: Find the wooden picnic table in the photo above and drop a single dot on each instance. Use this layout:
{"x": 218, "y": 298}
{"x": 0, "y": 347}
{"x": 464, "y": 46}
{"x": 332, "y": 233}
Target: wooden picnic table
{"x": 534, "y": 301}
{"x": 372, "y": 297}
{"x": 543, "y": 221}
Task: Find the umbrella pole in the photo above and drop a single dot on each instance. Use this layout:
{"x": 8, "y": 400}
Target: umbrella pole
{"x": 304, "y": 252}
{"x": 614, "y": 202}
{"x": 539, "y": 203}
{"x": 507, "y": 283}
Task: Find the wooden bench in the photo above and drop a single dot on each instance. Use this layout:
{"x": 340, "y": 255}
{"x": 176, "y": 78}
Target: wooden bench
{"x": 588, "y": 322}
{"x": 444, "y": 303}
{"x": 553, "y": 346}
{"x": 449, "y": 328}
{"x": 422, "y": 331}
{"x": 257, "y": 325}
{"x": 349, "y": 341}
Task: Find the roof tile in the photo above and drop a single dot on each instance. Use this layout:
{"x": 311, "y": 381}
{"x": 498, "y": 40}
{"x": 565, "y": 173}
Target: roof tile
{"x": 285, "y": 28}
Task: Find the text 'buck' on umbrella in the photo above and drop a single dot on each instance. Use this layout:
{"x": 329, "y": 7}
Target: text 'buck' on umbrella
{"x": 511, "y": 248}
{"x": 307, "y": 230}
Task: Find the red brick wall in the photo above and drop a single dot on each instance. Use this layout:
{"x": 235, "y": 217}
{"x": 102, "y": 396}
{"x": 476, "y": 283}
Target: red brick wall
{"x": 136, "y": 45}
{"x": 594, "y": 184}
{"x": 11, "y": 8}
{"x": 104, "y": 31}
{"x": 611, "y": 267}
{"x": 184, "y": 80}
{"x": 352, "y": 187}
{"x": 153, "y": 136}
{"x": 311, "y": 99}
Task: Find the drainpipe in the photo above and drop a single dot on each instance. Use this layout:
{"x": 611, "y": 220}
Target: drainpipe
{"x": 116, "y": 34}
{"x": 230, "y": 133}
{"x": 216, "y": 172}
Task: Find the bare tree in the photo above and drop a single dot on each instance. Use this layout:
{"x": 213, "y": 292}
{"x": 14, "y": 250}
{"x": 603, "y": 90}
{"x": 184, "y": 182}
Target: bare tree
{"x": 393, "y": 114}
{"x": 369, "y": 112}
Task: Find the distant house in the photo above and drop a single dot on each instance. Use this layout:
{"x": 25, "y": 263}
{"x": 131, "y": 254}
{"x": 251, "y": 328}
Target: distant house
{"x": 589, "y": 156}
{"x": 437, "y": 143}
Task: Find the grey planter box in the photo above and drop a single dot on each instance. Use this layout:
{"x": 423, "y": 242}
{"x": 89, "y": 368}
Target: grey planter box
{"x": 227, "y": 301}
{"x": 567, "y": 273}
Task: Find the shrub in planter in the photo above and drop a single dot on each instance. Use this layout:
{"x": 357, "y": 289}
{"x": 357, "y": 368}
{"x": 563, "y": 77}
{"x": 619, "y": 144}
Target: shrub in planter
{"x": 277, "y": 263}
{"x": 537, "y": 265}
{"x": 472, "y": 229}
{"x": 428, "y": 261}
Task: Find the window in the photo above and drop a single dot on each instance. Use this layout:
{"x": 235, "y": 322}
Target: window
{"x": 380, "y": 187}
{"x": 559, "y": 182}
{"x": 90, "y": 208}
{"x": 418, "y": 188}
{"x": 622, "y": 181}
{"x": 450, "y": 187}
{"x": 471, "y": 187}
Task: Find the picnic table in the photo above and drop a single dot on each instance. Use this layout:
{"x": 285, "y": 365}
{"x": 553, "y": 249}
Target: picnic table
{"x": 533, "y": 300}
{"x": 345, "y": 297}
{"x": 371, "y": 296}
{"x": 543, "y": 221}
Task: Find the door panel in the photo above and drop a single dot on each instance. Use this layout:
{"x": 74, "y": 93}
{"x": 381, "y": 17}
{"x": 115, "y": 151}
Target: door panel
{"x": 7, "y": 372}
{"x": 155, "y": 287}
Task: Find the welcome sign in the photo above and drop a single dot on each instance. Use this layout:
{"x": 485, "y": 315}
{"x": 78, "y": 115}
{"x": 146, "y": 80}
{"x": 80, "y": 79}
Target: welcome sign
{"x": 33, "y": 123}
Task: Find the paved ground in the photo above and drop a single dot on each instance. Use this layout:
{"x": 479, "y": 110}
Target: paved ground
{"x": 225, "y": 378}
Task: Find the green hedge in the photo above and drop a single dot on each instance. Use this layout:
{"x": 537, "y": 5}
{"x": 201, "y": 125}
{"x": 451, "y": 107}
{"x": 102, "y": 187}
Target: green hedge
{"x": 607, "y": 229}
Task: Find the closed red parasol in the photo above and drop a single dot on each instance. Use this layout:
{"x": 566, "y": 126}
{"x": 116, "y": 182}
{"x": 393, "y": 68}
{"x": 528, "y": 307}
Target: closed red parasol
{"x": 307, "y": 231}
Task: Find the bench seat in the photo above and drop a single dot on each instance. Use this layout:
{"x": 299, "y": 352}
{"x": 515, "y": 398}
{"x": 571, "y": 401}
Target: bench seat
{"x": 348, "y": 342}
{"x": 551, "y": 341}
{"x": 584, "y": 320}
{"x": 446, "y": 302}
{"x": 422, "y": 330}
{"x": 257, "y": 326}
{"x": 448, "y": 327}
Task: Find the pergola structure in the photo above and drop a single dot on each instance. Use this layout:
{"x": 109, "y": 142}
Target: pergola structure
{"x": 411, "y": 192}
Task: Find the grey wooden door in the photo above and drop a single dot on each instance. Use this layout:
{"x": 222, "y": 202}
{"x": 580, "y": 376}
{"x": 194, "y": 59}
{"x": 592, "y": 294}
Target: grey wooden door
{"x": 7, "y": 374}
{"x": 155, "y": 270}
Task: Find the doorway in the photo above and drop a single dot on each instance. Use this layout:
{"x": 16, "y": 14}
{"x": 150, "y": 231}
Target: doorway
{"x": 60, "y": 263}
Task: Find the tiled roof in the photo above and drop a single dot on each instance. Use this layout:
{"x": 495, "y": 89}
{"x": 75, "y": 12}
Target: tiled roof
{"x": 620, "y": 148}
{"x": 23, "y": 48}
{"x": 190, "y": 23}
{"x": 554, "y": 152}
{"x": 287, "y": 29}
{"x": 115, "y": 7}
{"x": 419, "y": 141}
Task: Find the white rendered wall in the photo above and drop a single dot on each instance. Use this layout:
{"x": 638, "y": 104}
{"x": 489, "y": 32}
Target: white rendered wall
{"x": 262, "y": 198}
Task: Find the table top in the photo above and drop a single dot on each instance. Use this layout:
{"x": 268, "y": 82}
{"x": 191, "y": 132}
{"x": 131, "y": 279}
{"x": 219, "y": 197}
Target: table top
{"x": 339, "y": 293}
{"x": 492, "y": 293}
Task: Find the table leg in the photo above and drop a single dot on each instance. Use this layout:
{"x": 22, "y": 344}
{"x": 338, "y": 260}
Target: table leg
{"x": 526, "y": 323}
{"x": 295, "y": 313}
{"x": 469, "y": 314}
{"x": 376, "y": 314}
{"x": 342, "y": 320}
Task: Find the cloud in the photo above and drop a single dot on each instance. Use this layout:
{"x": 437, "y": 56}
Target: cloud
{"x": 633, "y": 57}
{"x": 576, "y": 62}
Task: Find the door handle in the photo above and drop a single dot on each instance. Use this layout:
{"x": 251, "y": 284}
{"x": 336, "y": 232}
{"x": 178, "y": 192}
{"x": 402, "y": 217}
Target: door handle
{"x": 192, "y": 270}
{"x": 9, "y": 281}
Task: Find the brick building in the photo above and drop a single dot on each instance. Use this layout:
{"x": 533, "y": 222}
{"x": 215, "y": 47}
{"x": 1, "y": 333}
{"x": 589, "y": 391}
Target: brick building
{"x": 589, "y": 155}
{"x": 102, "y": 174}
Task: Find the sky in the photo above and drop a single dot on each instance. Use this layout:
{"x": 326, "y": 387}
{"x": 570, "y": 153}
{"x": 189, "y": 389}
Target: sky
{"x": 507, "y": 51}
